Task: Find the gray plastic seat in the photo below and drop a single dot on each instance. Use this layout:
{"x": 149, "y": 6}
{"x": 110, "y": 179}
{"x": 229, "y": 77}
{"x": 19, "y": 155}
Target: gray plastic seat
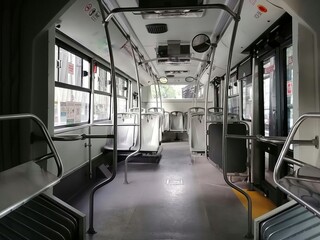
{"x": 197, "y": 132}
{"x": 150, "y": 134}
{"x": 176, "y": 121}
{"x": 166, "y": 121}
{"x": 126, "y": 130}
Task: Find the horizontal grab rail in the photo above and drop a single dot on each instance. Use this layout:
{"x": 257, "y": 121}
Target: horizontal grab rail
{"x": 76, "y": 137}
{"x": 277, "y": 139}
{"x": 302, "y": 184}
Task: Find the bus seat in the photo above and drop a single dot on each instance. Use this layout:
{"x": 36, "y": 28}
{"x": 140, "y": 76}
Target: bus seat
{"x": 237, "y": 148}
{"x": 176, "y": 121}
{"x": 197, "y": 133}
{"x": 166, "y": 121}
{"x": 150, "y": 134}
{"x": 125, "y": 133}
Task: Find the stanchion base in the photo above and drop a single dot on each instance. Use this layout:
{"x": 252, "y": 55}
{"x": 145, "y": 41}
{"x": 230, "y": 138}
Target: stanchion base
{"x": 91, "y": 231}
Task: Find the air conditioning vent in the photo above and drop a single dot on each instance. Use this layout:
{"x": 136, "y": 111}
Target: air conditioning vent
{"x": 174, "y": 52}
{"x": 157, "y": 28}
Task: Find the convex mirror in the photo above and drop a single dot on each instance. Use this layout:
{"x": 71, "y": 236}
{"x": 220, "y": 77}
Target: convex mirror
{"x": 201, "y": 43}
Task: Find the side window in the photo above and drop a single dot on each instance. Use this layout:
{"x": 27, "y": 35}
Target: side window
{"x": 122, "y": 93}
{"x": 247, "y": 98}
{"x": 72, "y": 87}
{"x": 234, "y": 97}
{"x": 102, "y": 93}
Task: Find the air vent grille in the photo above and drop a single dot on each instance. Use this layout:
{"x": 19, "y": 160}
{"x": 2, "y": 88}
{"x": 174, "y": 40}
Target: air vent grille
{"x": 157, "y": 28}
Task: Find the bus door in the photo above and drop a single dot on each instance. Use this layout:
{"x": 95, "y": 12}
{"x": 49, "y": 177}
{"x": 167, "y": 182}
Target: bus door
{"x": 276, "y": 110}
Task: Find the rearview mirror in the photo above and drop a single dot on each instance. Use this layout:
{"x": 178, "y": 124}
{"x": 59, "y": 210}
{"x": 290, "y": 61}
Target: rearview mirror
{"x": 201, "y": 43}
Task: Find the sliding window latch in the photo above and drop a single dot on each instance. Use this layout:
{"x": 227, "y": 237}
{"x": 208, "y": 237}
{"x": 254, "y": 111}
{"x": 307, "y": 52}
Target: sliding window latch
{"x": 58, "y": 63}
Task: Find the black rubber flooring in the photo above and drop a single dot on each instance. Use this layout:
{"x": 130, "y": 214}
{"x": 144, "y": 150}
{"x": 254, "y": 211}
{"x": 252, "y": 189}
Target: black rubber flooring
{"x": 176, "y": 200}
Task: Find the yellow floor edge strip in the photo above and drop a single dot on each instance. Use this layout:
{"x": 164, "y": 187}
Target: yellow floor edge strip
{"x": 260, "y": 204}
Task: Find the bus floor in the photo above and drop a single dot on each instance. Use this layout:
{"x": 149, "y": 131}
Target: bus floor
{"x": 175, "y": 199}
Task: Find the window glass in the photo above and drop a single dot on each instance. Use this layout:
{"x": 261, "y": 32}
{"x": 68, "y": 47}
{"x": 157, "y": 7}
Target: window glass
{"x": 177, "y": 91}
{"x": 72, "y": 98}
{"x": 70, "y": 107}
{"x": 102, "y": 80}
{"x": 247, "y": 101}
{"x": 101, "y": 110}
{"x": 233, "y": 105}
{"x": 122, "y": 86}
{"x": 86, "y": 74}
{"x": 122, "y": 104}
{"x": 289, "y": 81}
{"x": 70, "y": 68}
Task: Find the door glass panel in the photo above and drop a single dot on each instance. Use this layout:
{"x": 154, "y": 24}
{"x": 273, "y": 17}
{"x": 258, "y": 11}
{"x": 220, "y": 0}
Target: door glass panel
{"x": 289, "y": 80}
{"x": 269, "y": 96}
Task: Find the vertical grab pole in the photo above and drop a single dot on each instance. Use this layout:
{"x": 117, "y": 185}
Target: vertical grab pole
{"x": 160, "y": 97}
{"x": 213, "y": 47}
{"x": 139, "y": 117}
{"x": 225, "y": 123}
{"x": 155, "y": 89}
{"x": 115, "y": 124}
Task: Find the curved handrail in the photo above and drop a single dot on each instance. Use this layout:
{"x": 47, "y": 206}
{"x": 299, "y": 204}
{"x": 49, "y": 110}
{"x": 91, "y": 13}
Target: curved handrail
{"x": 282, "y": 157}
{"x": 115, "y": 121}
{"x": 15, "y": 202}
{"x": 225, "y": 123}
{"x": 45, "y": 132}
{"x": 140, "y": 110}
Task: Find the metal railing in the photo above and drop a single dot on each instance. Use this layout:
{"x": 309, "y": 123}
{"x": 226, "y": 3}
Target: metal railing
{"x": 308, "y": 182}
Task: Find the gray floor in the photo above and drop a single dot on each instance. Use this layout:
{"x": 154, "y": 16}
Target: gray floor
{"x": 173, "y": 200}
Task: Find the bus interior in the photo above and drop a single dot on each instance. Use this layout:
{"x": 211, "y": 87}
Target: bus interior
{"x": 160, "y": 119}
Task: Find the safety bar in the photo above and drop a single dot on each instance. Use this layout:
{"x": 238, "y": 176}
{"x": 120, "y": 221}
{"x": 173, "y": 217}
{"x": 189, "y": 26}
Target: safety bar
{"x": 115, "y": 122}
{"x": 44, "y": 131}
{"x": 27, "y": 173}
{"x": 225, "y": 122}
{"x": 215, "y": 109}
{"x": 75, "y": 137}
{"x": 140, "y": 110}
{"x": 305, "y": 184}
{"x": 150, "y": 9}
{"x": 277, "y": 139}
{"x": 156, "y": 109}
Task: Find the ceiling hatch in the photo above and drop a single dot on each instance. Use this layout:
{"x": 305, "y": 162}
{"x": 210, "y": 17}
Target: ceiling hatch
{"x": 172, "y": 13}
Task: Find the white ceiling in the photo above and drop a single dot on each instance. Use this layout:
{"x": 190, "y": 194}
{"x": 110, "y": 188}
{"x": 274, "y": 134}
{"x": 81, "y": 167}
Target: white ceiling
{"x": 77, "y": 24}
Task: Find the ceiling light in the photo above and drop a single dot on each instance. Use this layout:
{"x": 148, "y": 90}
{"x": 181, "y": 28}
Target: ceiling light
{"x": 189, "y": 79}
{"x": 163, "y": 80}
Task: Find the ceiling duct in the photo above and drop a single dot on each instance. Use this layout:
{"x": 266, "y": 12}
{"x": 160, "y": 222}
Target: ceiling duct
{"x": 174, "y": 52}
{"x": 171, "y": 13}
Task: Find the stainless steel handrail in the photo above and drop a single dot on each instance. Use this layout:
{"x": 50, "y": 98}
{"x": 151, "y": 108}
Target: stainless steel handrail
{"x": 139, "y": 117}
{"x": 45, "y": 132}
{"x": 76, "y": 137}
{"x": 54, "y": 154}
{"x": 225, "y": 123}
{"x": 206, "y": 109}
{"x": 115, "y": 123}
{"x": 198, "y": 7}
{"x": 282, "y": 157}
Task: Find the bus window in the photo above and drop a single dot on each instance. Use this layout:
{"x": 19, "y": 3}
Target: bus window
{"x": 247, "y": 98}
{"x": 289, "y": 80}
{"x": 72, "y": 88}
{"x": 234, "y": 97}
{"x": 102, "y": 94}
{"x": 122, "y": 94}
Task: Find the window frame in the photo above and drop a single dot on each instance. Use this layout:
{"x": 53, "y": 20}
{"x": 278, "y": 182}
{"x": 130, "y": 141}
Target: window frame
{"x": 102, "y": 93}
{"x": 62, "y": 85}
